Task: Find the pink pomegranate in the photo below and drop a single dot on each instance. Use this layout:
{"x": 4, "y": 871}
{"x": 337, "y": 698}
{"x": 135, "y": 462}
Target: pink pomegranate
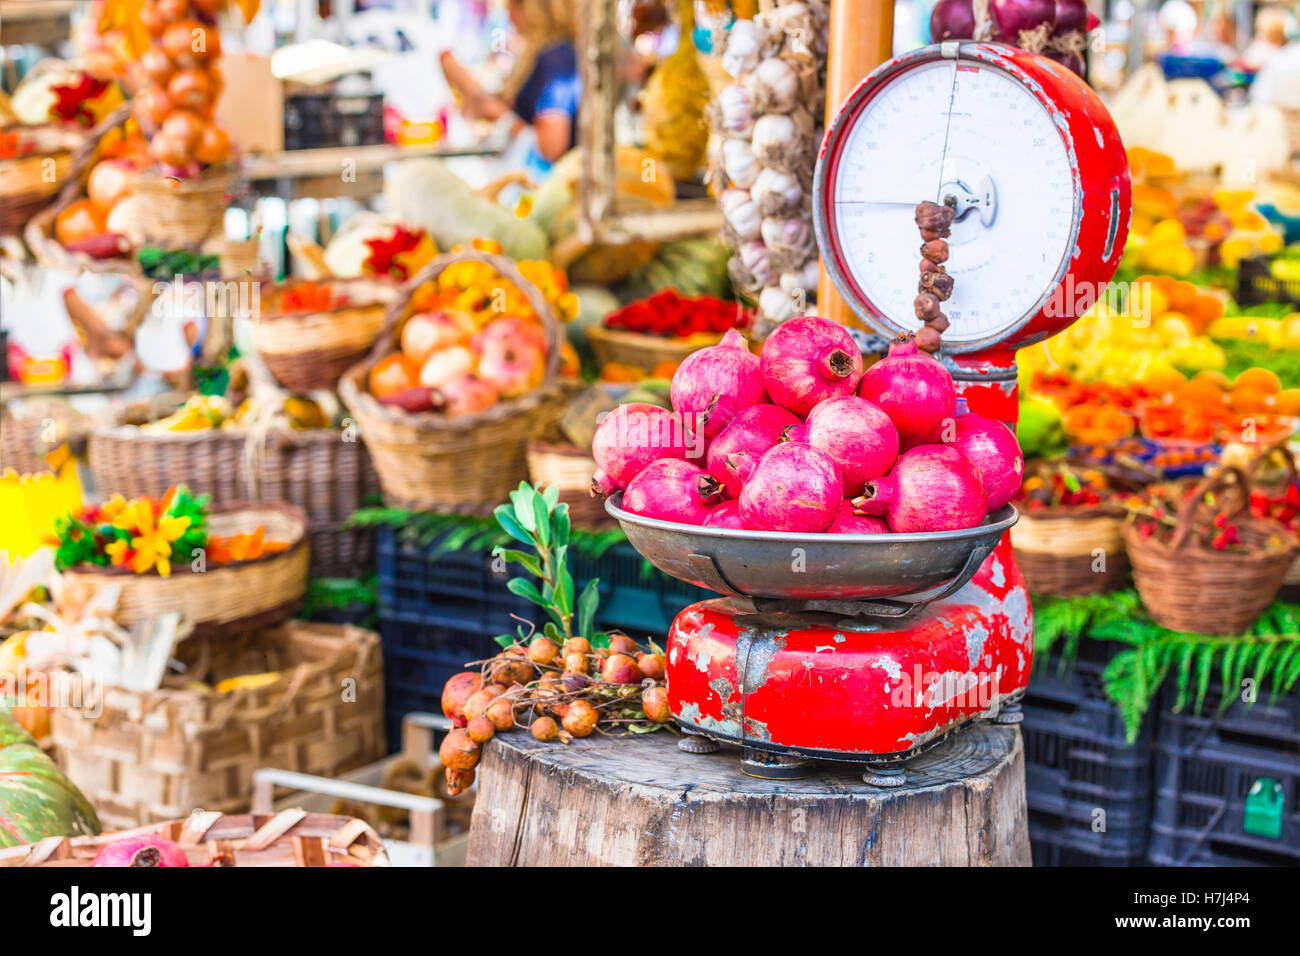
{"x": 932, "y": 488}
{"x": 914, "y": 390}
{"x": 142, "y": 850}
{"x": 848, "y": 521}
{"x": 511, "y": 328}
{"x": 857, "y": 435}
{"x": 808, "y": 360}
{"x": 672, "y": 490}
{"x": 734, "y": 453}
{"x": 426, "y": 332}
{"x": 992, "y": 448}
{"x": 725, "y": 515}
{"x": 464, "y": 395}
{"x": 632, "y": 436}
{"x": 794, "y": 487}
{"x": 715, "y": 384}
{"x": 513, "y": 366}
{"x": 444, "y": 364}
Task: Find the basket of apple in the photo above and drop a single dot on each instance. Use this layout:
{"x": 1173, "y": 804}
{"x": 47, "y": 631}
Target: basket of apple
{"x": 446, "y": 401}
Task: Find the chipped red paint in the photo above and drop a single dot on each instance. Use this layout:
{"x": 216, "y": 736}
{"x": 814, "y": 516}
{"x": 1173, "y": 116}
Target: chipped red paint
{"x": 855, "y": 692}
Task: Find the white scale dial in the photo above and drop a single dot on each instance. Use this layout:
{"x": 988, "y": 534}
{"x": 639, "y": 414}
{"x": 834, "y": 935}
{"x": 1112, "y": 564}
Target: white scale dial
{"x": 952, "y": 128}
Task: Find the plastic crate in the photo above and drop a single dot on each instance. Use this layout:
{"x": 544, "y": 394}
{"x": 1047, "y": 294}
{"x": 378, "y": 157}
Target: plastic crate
{"x": 319, "y": 120}
{"x": 634, "y": 596}
{"x": 1078, "y": 762}
{"x": 1228, "y": 785}
{"x": 1256, "y": 284}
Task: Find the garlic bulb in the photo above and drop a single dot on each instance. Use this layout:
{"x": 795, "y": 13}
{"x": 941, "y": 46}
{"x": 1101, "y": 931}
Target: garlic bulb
{"x": 744, "y": 44}
{"x": 783, "y": 235}
{"x": 811, "y": 274}
{"x": 738, "y": 162}
{"x": 776, "y": 304}
{"x": 774, "y": 86}
{"x": 753, "y": 256}
{"x": 735, "y": 110}
{"x": 740, "y": 213}
{"x": 774, "y": 138}
{"x": 775, "y": 191}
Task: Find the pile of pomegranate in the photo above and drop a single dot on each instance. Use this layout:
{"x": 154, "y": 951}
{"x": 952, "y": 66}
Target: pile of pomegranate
{"x": 802, "y": 439}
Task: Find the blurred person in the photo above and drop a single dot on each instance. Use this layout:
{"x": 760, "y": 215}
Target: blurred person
{"x": 1271, "y": 27}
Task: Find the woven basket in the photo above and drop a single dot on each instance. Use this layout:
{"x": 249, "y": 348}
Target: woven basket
{"x": 1058, "y": 550}
{"x": 176, "y": 213}
{"x": 643, "y": 351}
{"x": 289, "y": 838}
{"x": 30, "y": 183}
{"x": 145, "y": 756}
{"x": 320, "y": 471}
{"x": 1190, "y": 588}
{"x": 467, "y": 464}
{"x": 23, "y": 434}
{"x": 256, "y": 593}
{"x": 310, "y": 350}
{"x": 1252, "y": 473}
{"x": 569, "y": 468}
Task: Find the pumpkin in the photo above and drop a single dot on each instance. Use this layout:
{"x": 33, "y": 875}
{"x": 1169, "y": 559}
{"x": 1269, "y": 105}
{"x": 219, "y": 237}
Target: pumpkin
{"x": 36, "y": 799}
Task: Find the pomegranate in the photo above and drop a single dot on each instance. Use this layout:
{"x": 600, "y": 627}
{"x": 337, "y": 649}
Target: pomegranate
{"x": 992, "y": 448}
{"x": 575, "y": 663}
{"x": 914, "y": 390}
{"x": 577, "y": 645}
{"x": 932, "y": 488}
{"x": 622, "y": 644}
{"x": 511, "y": 328}
{"x": 859, "y": 437}
{"x": 735, "y": 452}
{"x": 808, "y": 360}
{"x": 513, "y": 367}
{"x": 445, "y": 364}
{"x": 725, "y": 515}
{"x": 544, "y": 729}
{"x": 456, "y": 692}
{"x": 146, "y": 849}
{"x": 620, "y": 669}
{"x": 501, "y": 712}
{"x": 464, "y": 394}
{"x": 672, "y": 490}
{"x": 481, "y": 729}
{"x": 542, "y": 650}
{"x": 794, "y": 487}
{"x": 631, "y": 437}
{"x": 848, "y": 521}
{"x": 426, "y": 332}
{"x": 458, "y": 781}
{"x": 459, "y": 751}
{"x": 715, "y": 384}
{"x": 654, "y": 701}
{"x": 580, "y": 718}
{"x": 478, "y": 703}
{"x": 652, "y": 665}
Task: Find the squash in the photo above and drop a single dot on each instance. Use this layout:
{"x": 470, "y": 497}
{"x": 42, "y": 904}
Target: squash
{"x": 36, "y": 799}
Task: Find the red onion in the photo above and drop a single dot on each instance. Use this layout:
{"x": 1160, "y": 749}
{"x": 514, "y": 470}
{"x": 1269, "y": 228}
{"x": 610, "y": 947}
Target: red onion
{"x": 952, "y": 20}
{"x": 794, "y": 487}
{"x": 672, "y": 490}
{"x": 992, "y": 448}
{"x": 1016, "y": 16}
{"x": 1070, "y": 60}
{"x": 715, "y": 384}
{"x": 142, "y": 850}
{"x": 858, "y": 436}
{"x": 807, "y": 360}
{"x": 631, "y": 437}
{"x": 734, "y": 453}
{"x": 1071, "y": 16}
{"x": 932, "y": 488}
{"x": 914, "y": 390}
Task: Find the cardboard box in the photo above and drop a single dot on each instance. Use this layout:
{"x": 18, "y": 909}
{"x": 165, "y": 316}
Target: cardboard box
{"x": 251, "y": 107}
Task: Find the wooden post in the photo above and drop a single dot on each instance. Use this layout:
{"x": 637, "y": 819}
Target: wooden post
{"x": 643, "y": 802}
{"x": 862, "y": 37}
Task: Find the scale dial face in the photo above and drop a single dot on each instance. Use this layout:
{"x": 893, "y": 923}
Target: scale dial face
{"x": 964, "y": 128}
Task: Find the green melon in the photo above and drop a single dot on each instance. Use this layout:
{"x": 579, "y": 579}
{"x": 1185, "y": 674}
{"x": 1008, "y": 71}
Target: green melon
{"x": 36, "y": 799}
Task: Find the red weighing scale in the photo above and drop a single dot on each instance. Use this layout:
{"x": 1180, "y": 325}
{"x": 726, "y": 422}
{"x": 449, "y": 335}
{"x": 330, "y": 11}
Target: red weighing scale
{"x": 873, "y": 648}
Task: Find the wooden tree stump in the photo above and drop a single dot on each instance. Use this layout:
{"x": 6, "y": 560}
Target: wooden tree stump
{"x": 643, "y": 802}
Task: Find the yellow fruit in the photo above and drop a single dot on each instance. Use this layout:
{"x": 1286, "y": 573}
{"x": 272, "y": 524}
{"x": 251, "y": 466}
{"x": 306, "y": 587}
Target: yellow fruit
{"x": 1259, "y": 379}
{"x": 247, "y": 682}
{"x": 673, "y": 104}
{"x": 1270, "y": 242}
{"x": 1167, "y": 231}
{"x": 1289, "y": 332}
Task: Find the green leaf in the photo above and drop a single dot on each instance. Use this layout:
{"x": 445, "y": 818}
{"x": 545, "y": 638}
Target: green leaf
{"x": 505, "y": 640}
{"x": 524, "y": 588}
{"x": 560, "y": 527}
{"x": 506, "y": 518}
{"x": 522, "y": 499}
{"x": 529, "y": 561}
{"x": 588, "y": 602}
{"x": 552, "y": 495}
{"x": 541, "y": 519}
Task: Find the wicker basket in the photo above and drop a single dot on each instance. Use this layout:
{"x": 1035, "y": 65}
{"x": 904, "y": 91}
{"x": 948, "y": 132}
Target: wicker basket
{"x": 569, "y": 468}
{"x": 256, "y": 593}
{"x": 288, "y": 838}
{"x": 325, "y": 472}
{"x": 643, "y": 351}
{"x": 310, "y": 350}
{"x": 146, "y": 756}
{"x": 467, "y": 464}
{"x": 30, "y": 183}
{"x": 176, "y": 213}
{"x": 33, "y": 430}
{"x": 1190, "y": 588}
{"x": 1059, "y": 550}
{"x": 1252, "y": 473}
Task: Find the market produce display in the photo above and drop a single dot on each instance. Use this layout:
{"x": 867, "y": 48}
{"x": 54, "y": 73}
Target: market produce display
{"x": 792, "y": 433}
{"x": 36, "y": 799}
{"x": 1055, "y": 28}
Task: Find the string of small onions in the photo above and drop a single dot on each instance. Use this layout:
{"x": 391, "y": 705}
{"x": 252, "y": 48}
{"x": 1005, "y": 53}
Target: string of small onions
{"x": 767, "y": 125}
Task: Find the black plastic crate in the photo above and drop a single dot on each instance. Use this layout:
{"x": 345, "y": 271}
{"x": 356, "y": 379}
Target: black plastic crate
{"x": 1077, "y": 762}
{"x": 418, "y": 660}
{"x": 1228, "y": 785}
{"x": 319, "y": 120}
{"x": 634, "y": 596}
{"x": 1256, "y": 284}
